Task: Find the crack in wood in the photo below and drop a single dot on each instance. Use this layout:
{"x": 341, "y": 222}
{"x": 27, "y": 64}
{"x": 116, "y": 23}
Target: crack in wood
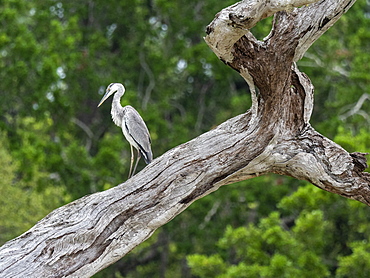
{"x": 98, "y": 246}
{"x": 325, "y": 21}
{"x": 177, "y": 179}
{"x": 199, "y": 191}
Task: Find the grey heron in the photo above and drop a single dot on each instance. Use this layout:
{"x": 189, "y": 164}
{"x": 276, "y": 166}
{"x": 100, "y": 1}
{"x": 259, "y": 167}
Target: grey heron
{"x": 132, "y": 124}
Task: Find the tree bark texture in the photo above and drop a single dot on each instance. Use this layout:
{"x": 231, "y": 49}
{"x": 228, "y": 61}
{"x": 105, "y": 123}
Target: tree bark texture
{"x": 274, "y": 136}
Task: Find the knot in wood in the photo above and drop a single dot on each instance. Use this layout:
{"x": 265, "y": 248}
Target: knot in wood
{"x": 359, "y": 160}
{"x": 239, "y": 19}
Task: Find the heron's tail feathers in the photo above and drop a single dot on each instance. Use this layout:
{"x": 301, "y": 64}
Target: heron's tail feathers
{"x": 147, "y": 156}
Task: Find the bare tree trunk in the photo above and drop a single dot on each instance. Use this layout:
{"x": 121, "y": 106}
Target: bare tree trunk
{"x": 89, "y": 234}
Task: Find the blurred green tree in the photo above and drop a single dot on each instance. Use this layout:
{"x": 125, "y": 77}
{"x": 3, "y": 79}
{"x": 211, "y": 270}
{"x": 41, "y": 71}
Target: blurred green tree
{"x": 57, "y": 57}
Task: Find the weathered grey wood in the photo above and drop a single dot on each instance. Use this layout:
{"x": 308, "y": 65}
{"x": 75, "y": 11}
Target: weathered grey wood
{"x": 275, "y": 135}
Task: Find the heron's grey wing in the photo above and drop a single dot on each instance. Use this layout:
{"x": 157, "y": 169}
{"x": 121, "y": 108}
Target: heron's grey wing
{"x": 138, "y": 132}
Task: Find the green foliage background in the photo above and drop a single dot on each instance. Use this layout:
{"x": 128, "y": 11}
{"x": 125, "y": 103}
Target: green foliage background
{"x": 56, "y": 58}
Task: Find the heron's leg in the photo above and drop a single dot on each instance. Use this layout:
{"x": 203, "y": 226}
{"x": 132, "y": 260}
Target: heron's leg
{"x": 132, "y": 161}
{"x": 137, "y": 162}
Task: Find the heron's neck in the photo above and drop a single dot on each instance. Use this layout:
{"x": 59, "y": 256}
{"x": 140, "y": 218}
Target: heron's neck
{"x": 117, "y": 109}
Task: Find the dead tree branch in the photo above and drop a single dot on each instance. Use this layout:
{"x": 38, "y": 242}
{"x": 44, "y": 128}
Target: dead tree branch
{"x": 275, "y": 135}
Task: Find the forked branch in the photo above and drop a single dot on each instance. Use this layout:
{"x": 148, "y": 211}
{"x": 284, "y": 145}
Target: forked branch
{"x": 275, "y": 135}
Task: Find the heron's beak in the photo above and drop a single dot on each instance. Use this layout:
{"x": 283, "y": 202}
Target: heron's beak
{"x": 104, "y": 97}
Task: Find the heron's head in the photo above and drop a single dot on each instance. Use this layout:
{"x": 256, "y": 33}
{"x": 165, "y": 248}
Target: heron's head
{"x": 111, "y": 89}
